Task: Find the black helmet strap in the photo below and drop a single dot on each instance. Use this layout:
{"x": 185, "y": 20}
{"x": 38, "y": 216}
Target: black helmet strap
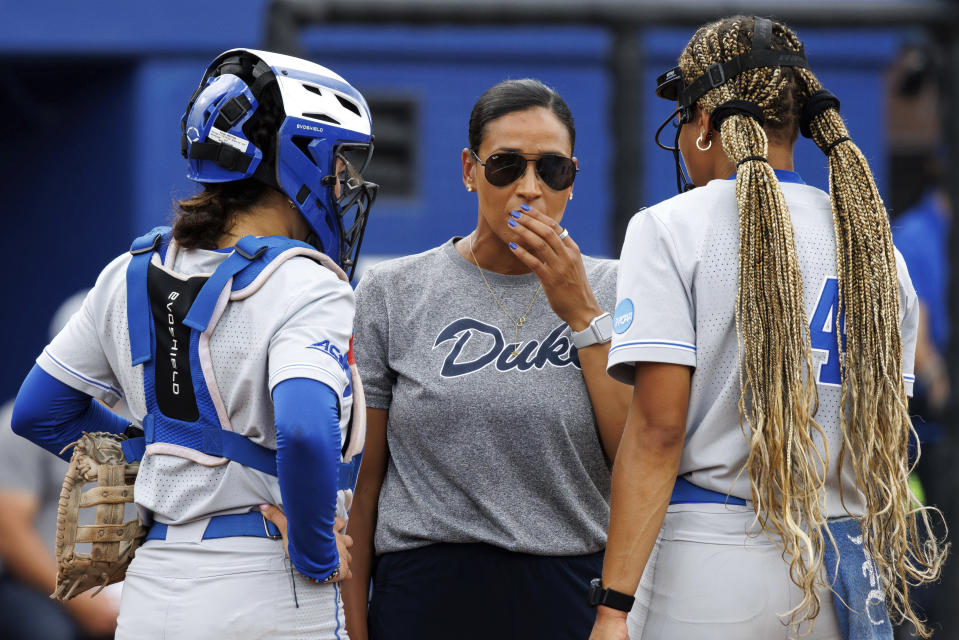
{"x": 759, "y": 56}
{"x": 719, "y": 73}
{"x": 225, "y": 155}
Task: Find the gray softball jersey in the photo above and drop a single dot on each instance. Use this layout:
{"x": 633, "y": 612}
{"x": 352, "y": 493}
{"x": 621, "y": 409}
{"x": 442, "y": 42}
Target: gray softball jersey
{"x": 676, "y": 304}
{"x": 483, "y": 446}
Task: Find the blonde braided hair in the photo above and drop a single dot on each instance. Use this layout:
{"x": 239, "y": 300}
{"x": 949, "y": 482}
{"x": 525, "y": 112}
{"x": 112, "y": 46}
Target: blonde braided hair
{"x": 787, "y": 467}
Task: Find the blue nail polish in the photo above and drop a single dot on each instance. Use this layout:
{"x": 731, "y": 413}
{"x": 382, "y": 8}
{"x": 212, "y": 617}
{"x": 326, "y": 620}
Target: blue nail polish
{"x": 515, "y": 214}
{"x": 512, "y": 245}
{"x": 511, "y": 222}
{"x": 524, "y": 207}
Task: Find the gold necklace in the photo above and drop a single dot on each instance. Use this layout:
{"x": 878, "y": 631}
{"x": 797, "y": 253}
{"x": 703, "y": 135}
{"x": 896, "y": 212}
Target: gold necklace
{"x": 522, "y": 319}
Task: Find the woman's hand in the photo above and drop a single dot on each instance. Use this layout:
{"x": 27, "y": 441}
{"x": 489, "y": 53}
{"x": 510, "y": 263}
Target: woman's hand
{"x": 343, "y": 541}
{"x": 610, "y": 625}
{"x": 557, "y": 263}
{"x": 343, "y": 544}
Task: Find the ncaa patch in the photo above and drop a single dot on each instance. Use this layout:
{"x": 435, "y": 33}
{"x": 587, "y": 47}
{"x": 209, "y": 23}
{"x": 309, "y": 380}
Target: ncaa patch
{"x": 623, "y": 317}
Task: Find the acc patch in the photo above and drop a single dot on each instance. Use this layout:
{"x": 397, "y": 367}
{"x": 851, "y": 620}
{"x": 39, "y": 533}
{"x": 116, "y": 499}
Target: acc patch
{"x": 623, "y": 317}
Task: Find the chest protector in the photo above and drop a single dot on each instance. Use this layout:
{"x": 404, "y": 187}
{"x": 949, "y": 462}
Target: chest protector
{"x": 171, "y": 318}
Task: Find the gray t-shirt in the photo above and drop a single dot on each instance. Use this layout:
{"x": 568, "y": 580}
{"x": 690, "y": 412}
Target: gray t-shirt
{"x": 484, "y": 446}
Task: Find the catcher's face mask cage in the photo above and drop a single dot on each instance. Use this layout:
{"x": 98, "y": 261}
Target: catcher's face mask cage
{"x": 672, "y": 86}
{"x": 322, "y": 146}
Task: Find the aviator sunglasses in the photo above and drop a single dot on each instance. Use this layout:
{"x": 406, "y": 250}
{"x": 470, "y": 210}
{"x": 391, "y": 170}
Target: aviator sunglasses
{"x": 556, "y": 172}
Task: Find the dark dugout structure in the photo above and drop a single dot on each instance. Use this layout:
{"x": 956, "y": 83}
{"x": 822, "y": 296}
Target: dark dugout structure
{"x": 624, "y": 20}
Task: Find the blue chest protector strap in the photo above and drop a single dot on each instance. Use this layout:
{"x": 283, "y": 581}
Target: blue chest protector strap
{"x": 168, "y": 315}
{"x": 138, "y": 300}
{"x": 247, "y": 251}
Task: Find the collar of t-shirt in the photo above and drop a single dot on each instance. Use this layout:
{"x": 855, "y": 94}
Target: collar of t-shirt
{"x": 783, "y": 176}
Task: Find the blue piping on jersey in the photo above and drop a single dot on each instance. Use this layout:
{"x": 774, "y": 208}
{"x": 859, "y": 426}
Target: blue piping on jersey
{"x": 783, "y": 175}
{"x": 908, "y": 378}
{"x": 79, "y": 375}
{"x": 665, "y": 344}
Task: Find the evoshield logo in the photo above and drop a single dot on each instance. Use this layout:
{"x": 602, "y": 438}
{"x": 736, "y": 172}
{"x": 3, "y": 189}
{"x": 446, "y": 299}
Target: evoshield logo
{"x": 174, "y": 348}
{"x": 555, "y": 350}
{"x": 309, "y": 127}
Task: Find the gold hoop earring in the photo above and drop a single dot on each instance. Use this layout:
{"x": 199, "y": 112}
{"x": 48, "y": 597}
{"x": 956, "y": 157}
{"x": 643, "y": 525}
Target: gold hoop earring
{"x": 290, "y": 202}
{"x": 469, "y": 188}
{"x": 699, "y": 142}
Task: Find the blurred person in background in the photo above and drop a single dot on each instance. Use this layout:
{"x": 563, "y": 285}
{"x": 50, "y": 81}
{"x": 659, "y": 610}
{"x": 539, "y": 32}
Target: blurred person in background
{"x": 30, "y": 482}
{"x": 921, "y": 234}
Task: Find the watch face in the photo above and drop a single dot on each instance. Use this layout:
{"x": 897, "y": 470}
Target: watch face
{"x": 595, "y": 592}
{"x": 604, "y": 326}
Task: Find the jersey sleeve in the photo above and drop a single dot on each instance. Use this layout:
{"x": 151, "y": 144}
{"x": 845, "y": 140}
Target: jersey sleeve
{"x": 314, "y": 340}
{"x": 371, "y": 344}
{"x": 76, "y": 357}
{"x": 654, "y": 319}
{"x": 909, "y": 323}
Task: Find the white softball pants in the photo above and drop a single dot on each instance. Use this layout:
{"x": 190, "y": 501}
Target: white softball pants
{"x": 241, "y": 587}
{"x": 708, "y": 580}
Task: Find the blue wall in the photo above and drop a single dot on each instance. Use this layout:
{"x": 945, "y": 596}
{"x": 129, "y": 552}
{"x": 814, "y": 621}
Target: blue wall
{"x": 90, "y": 122}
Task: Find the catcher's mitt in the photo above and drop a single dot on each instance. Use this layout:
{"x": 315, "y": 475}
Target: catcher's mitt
{"x": 97, "y": 457}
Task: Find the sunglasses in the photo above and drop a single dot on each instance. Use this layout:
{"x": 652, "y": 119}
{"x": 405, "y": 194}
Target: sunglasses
{"x": 556, "y": 172}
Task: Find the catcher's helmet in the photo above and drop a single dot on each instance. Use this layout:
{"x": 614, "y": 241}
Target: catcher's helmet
{"x": 318, "y": 150}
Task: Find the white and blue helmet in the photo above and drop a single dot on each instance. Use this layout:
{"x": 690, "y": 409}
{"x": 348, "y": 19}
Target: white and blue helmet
{"x": 320, "y": 148}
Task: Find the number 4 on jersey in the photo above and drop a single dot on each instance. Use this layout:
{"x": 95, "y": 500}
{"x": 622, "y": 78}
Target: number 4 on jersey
{"x": 822, "y": 332}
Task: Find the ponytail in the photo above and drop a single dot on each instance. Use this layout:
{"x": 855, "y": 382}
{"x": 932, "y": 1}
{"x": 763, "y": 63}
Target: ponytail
{"x": 875, "y": 422}
{"x": 202, "y": 219}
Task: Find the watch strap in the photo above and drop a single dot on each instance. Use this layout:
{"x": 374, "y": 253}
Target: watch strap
{"x": 600, "y": 330}
{"x": 608, "y": 597}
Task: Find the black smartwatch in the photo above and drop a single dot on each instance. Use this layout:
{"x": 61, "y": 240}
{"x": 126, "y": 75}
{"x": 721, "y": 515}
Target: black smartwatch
{"x": 608, "y": 597}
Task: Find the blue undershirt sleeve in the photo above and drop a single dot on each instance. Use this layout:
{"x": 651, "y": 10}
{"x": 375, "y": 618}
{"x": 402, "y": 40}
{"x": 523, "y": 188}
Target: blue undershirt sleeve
{"x": 306, "y": 413}
{"x": 52, "y": 414}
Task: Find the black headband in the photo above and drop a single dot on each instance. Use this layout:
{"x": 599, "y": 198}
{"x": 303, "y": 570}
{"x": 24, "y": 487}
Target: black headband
{"x": 817, "y": 103}
{"x": 672, "y": 86}
{"x": 736, "y": 108}
{"x": 760, "y": 55}
{"x": 718, "y": 73}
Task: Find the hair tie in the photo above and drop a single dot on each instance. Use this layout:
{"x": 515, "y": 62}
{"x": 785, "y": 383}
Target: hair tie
{"x": 817, "y": 103}
{"x": 832, "y": 145}
{"x": 751, "y": 159}
{"x": 736, "y": 108}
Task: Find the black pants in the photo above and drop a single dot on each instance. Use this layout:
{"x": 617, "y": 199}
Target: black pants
{"x": 481, "y": 592}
